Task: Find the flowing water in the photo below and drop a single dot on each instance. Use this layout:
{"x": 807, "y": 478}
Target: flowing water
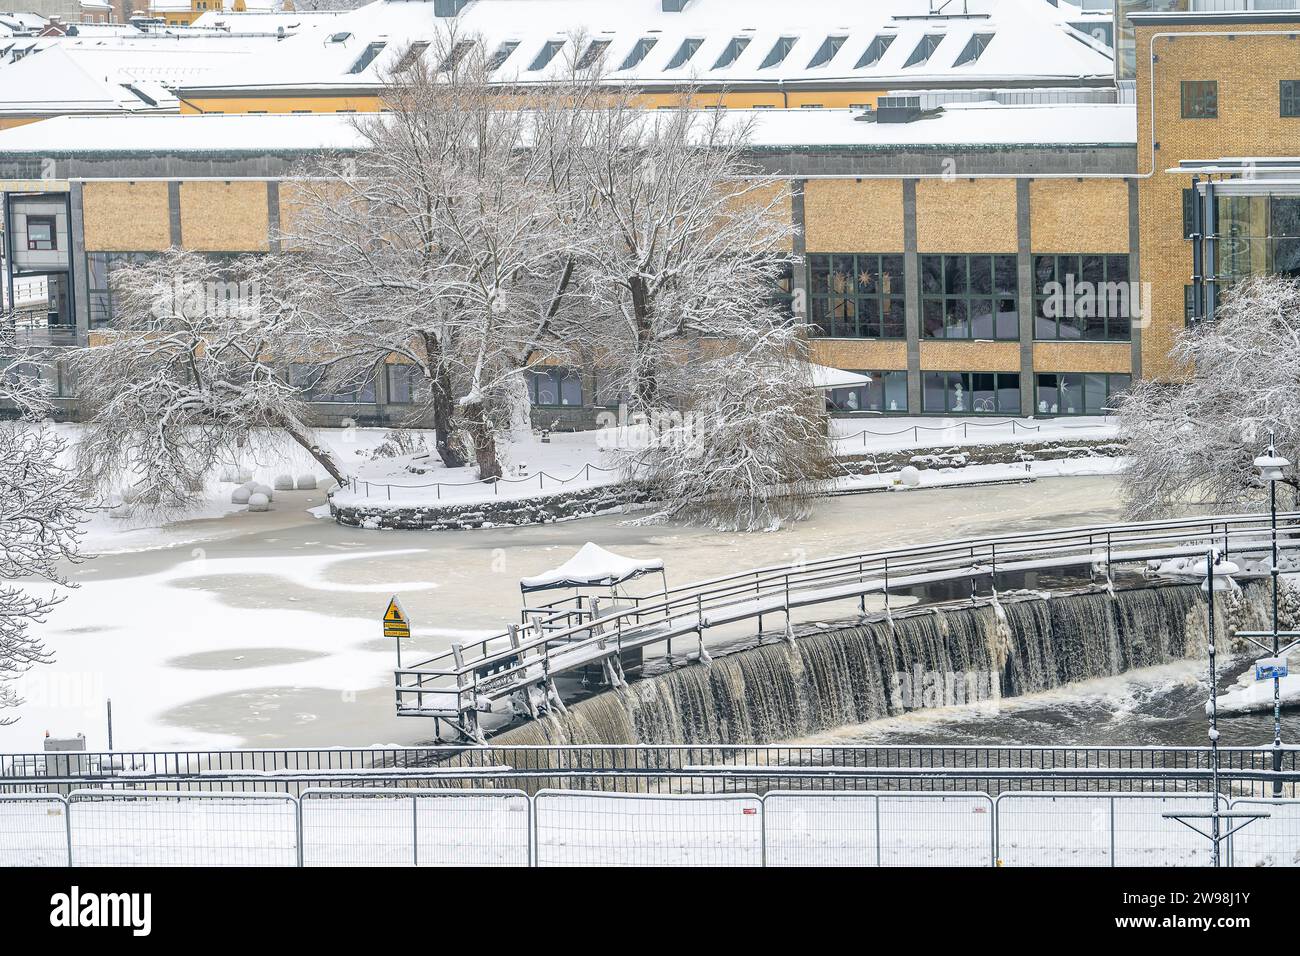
{"x": 995, "y": 672}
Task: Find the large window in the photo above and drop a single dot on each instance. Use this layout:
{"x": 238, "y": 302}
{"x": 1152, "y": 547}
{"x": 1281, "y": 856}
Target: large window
{"x": 403, "y": 382}
{"x": 555, "y": 387}
{"x": 1257, "y": 235}
{"x": 970, "y": 393}
{"x": 969, "y": 297}
{"x": 100, "y": 267}
{"x": 857, "y": 296}
{"x": 886, "y": 392}
{"x": 1200, "y": 99}
{"x": 1083, "y": 297}
{"x": 1078, "y": 393}
{"x": 317, "y": 384}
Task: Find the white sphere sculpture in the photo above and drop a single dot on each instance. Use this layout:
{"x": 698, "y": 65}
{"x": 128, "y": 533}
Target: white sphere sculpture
{"x": 306, "y": 483}
{"x": 910, "y": 476}
{"x": 284, "y": 482}
{"x": 259, "y": 503}
{"x": 241, "y": 495}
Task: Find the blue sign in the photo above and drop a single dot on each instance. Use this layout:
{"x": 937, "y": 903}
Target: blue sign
{"x": 1268, "y": 668}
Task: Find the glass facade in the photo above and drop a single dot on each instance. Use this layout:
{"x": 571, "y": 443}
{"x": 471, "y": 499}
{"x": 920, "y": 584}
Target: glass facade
{"x": 1257, "y": 235}
{"x": 1077, "y": 393}
{"x": 970, "y": 393}
{"x": 969, "y": 297}
{"x": 313, "y": 381}
{"x": 886, "y": 392}
{"x": 857, "y": 296}
{"x": 1083, "y": 297}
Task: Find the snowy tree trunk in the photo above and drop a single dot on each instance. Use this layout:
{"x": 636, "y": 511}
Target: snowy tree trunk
{"x": 518, "y": 407}
{"x": 484, "y": 438}
{"x": 301, "y": 434}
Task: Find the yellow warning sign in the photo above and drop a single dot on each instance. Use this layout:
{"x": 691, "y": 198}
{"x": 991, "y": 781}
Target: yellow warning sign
{"x": 396, "y": 623}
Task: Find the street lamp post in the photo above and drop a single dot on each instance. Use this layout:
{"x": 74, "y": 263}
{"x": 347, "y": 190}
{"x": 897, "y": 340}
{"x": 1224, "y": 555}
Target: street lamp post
{"x": 1272, "y": 469}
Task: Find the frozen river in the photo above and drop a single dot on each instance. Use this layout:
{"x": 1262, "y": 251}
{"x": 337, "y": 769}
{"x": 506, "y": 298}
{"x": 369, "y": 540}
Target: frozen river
{"x": 263, "y": 629}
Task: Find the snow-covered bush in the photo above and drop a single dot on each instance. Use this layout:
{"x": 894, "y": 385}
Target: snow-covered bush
{"x": 1196, "y": 440}
{"x": 750, "y": 450}
{"x": 259, "y": 502}
{"x": 241, "y": 494}
{"x": 305, "y": 483}
{"x": 284, "y": 482}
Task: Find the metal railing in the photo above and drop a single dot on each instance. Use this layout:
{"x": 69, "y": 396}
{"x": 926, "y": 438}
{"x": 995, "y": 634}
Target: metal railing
{"x": 963, "y": 426}
{"x": 459, "y": 682}
{"x": 539, "y": 479}
{"x": 662, "y": 769}
{"x": 593, "y": 828}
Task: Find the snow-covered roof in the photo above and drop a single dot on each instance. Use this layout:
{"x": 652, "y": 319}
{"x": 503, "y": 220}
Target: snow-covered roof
{"x": 265, "y": 21}
{"x": 592, "y": 566}
{"x": 964, "y": 125}
{"x": 113, "y": 73}
{"x": 824, "y": 377}
{"x": 810, "y": 43}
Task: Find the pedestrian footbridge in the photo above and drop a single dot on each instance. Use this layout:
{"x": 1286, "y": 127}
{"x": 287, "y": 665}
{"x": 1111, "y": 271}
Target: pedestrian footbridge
{"x": 580, "y": 634}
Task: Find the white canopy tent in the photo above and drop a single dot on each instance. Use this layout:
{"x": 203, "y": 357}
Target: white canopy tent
{"x": 592, "y": 566}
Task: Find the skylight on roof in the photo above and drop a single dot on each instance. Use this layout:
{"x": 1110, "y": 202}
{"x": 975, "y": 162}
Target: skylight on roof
{"x": 688, "y": 49}
{"x": 977, "y": 44}
{"x": 732, "y": 52}
{"x": 367, "y": 56}
{"x": 455, "y": 55}
{"x": 546, "y": 54}
{"x": 595, "y": 50}
{"x": 779, "y": 52}
{"x": 924, "y": 50}
{"x": 875, "y": 50}
{"x": 826, "y": 52}
{"x": 501, "y": 54}
{"x": 639, "y": 52}
{"x": 414, "y": 53}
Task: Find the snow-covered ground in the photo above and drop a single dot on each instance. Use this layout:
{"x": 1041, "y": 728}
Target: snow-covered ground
{"x": 575, "y": 461}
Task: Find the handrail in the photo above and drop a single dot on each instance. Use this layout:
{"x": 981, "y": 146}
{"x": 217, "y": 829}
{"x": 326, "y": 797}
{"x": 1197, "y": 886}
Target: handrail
{"x": 530, "y": 653}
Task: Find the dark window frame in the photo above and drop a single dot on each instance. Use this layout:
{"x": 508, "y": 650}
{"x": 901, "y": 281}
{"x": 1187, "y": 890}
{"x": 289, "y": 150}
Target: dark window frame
{"x": 840, "y": 400}
{"x": 875, "y": 309}
{"x": 948, "y": 304}
{"x": 1112, "y": 328}
{"x": 1087, "y": 381}
{"x": 1004, "y": 383}
{"x": 558, "y": 376}
{"x": 34, "y": 245}
{"x": 1288, "y": 99}
{"x": 1199, "y": 99}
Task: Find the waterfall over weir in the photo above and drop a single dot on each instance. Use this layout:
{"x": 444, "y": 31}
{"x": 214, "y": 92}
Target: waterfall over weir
{"x": 859, "y": 672}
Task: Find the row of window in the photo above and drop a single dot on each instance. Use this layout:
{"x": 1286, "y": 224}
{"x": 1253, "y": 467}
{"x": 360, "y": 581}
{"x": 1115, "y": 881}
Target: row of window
{"x": 595, "y": 50}
{"x": 1086, "y": 297}
{"x": 983, "y": 393}
{"x": 1199, "y": 99}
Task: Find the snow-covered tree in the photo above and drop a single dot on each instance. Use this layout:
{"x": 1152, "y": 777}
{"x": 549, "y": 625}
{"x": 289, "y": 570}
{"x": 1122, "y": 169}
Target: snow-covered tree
{"x": 42, "y": 509}
{"x": 691, "y": 239}
{"x": 749, "y": 450}
{"x": 447, "y": 241}
{"x": 192, "y": 367}
{"x": 1195, "y": 440}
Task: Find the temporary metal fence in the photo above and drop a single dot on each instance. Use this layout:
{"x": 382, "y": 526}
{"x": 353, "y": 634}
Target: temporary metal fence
{"x": 623, "y": 829}
{"x": 415, "y": 828}
{"x": 585, "y": 828}
{"x": 878, "y": 829}
{"x": 1091, "y": 829}
{"x": 153, "y": 828}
